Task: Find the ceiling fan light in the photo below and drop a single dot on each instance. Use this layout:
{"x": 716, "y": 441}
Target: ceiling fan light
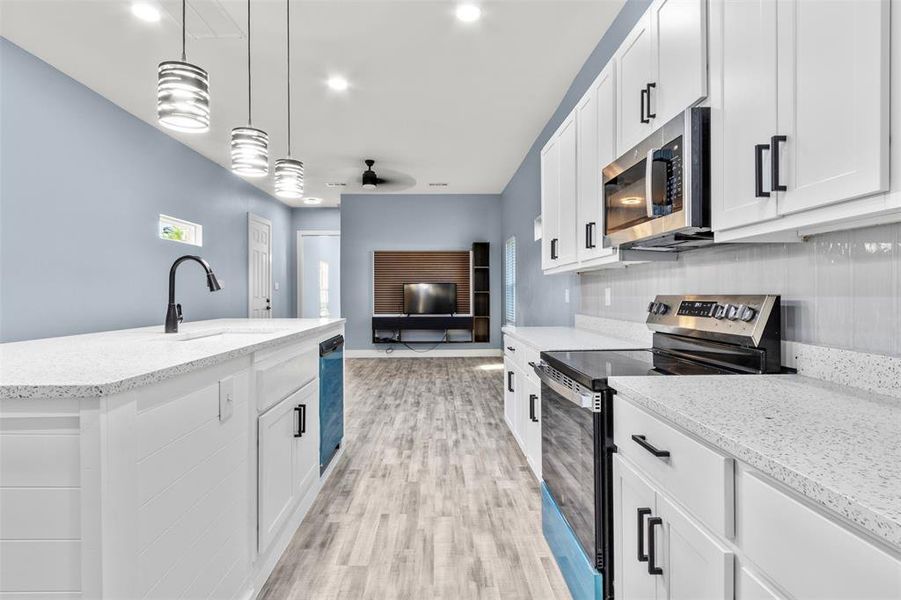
{"x": 289, "y": 178}
{"x": 250, "y": 152}
{"x": 370, "y": 180}
{"x": 183, "y": 97}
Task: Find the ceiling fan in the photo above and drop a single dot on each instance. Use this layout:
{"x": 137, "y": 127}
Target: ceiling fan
{"x": 370, "y": 179}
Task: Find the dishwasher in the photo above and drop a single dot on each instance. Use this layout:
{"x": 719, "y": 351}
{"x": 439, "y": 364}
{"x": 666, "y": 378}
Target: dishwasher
{"x": 331, "y": 399}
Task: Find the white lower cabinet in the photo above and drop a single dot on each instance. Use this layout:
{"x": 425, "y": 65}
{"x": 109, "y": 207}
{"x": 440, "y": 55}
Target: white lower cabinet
{"x": 288, "y": 458}
{"x": 783, "y": 547}
{"x": 661, "y": 552}
{"x": 510, "y": 394}
{"x": 530, "y": 424}
{"x": 522, "y": 401}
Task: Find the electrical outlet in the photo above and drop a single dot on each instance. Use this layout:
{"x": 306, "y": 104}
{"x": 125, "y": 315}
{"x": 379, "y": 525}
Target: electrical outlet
{"x": 566, "y": 295}
{"x": 608, "y": 296}
{"x": 275, "y": 284}
{"x": 226, "y": 399}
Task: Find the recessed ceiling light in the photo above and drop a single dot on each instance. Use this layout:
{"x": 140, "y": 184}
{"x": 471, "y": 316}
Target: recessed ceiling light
{"x": 336, "y": 184}
{"x": 337, "y": 83}
{"x": 439, "y": 185}
{"x": 468, "y": 12}
{"x": 312, "y": 200}
{"x": 145, "y": 12}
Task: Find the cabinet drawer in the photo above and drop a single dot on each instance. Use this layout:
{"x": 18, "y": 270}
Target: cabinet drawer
{"x": 806, "y": 553}
{"x": 283, "y": 373}
{"x": 510, "y": 347}
{"x": 694, "y": 475}
{"x": 530, "y": 355}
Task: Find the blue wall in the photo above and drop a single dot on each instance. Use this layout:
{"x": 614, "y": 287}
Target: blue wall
{"x": 412, "y": 222}
{"x": 82, "y": 183}
{"x": 540, "y": 298}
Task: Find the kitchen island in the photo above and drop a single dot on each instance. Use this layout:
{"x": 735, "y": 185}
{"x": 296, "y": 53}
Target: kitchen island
{"x": 136, "y": 463}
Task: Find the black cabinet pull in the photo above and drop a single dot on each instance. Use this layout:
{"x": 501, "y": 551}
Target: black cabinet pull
{"x": 643, "y": 442}
{"x": 649, "y": 87}
{"x": 758, "y": 171}
{"x": 532, "y": 399}
{"x": 511, "y": 348}
{"x": 298, "y": 431}
{"x": 303, "y": 418}
{"x": 589, "y": 235}
{"x": 642, "y": 513}
{"x": 554, "y": 249}
{"x": 644, "y": 94}
{"x": 653, "y": 569}
{"x": 509, "y": 381}
{"x": 774, "y": 163}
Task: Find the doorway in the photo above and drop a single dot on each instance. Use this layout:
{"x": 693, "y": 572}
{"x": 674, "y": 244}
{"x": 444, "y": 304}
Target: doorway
{"x": 318, "y": 274}
{"x": 259, "y": 267}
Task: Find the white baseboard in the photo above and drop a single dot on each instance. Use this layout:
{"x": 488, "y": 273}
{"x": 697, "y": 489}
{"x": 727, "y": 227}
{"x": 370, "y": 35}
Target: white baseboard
{"x": 436, "y": 353}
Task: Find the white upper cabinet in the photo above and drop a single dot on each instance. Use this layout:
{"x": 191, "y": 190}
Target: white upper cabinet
{"x": 833, "y": 101}
{"x": 566, "y": 219}
{"x": 596, "y": 131}
{"x": 661, "y": 68}
{"x": 635, "y": 78}
{"x": 801, "y": 113}
{"x": 747, "y": 38}
{"x": 679, "y": 32}
{"x": 550, "y": 200}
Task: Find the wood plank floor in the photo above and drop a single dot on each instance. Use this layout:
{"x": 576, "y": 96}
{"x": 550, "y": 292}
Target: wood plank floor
{"x": 432, "y": 498}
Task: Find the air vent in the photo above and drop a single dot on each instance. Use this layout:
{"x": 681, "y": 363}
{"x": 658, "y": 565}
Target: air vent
{"x": 335, "y": 184}
{"x": 438, "y": 185}
{"x": 207, "y": 20}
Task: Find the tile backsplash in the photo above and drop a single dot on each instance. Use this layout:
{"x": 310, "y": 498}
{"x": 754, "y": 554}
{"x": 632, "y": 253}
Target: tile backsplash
{"x": 841, "y": 290}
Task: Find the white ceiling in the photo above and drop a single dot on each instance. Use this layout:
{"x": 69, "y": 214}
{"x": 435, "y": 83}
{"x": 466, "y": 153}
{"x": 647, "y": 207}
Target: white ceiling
{"x": 431, "y": 98}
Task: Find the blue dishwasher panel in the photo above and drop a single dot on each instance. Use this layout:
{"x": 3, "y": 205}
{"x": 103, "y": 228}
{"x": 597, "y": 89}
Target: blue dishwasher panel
{"x": 331, "y": 399}
{"x": 583, "y": 580}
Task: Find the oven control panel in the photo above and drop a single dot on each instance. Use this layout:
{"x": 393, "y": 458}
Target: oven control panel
{"x": 727, "y": 316}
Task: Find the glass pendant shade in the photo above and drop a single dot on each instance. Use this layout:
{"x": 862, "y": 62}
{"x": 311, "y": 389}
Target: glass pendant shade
{"x": 183, "y": 97}
{"x": 250, "y": 152}
{"x": 288, "y": 178}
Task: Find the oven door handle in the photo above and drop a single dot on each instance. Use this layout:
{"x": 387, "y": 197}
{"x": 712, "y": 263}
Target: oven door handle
{"x": 580, "y": 400}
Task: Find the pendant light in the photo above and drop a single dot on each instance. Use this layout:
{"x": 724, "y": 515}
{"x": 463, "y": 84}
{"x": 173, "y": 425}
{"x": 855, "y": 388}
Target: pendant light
{"x": 288, "y": 171}
{"x": 183, "y": 92}
{"x": 249, "y": 145}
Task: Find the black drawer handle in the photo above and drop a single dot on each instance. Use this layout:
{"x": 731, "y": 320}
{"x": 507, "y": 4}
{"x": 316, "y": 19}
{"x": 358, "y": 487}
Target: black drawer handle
{"x": 642, "y": 513}
{"x": 758, "y": 171}
{"x": 650, "y": 86}
{"x": 554, "y": 249}
{"x": 653, "y": 569}
{"x": 644, "y": 93}
{"x": 511, "y": 348}
{"x": 301, "y": 411}
{"x": 532, "y": 399}
{"x": 774, "y": 163}
{"x": 643, "y": 442}
{"x": 509, "y": 381}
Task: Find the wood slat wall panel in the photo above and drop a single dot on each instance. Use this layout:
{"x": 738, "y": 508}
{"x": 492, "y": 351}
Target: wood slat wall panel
{"x": 392, "y": 269}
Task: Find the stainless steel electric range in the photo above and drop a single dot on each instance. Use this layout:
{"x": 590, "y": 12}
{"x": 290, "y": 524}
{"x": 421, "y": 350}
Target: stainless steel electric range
{"x": 693, "y": 335}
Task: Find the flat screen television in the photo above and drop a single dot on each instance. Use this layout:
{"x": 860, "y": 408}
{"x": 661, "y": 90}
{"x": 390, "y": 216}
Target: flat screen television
{"x": 430, "y": 298}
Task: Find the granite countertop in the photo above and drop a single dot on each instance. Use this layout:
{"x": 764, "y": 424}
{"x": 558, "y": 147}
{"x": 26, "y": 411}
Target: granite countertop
{"x": 837, "y": 445}
{"x": 569, "y": 338}
{"x": 110, "y": 362}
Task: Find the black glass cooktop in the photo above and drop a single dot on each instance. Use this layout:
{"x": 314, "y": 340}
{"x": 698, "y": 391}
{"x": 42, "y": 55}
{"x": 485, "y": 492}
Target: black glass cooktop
{"x": 591, "y": 368}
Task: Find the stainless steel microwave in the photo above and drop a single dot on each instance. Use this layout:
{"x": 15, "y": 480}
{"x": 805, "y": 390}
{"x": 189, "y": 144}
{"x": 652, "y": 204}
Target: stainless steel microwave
{"x": 657, "y": 195}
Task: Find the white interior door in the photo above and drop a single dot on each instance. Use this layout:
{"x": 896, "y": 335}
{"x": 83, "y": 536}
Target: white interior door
{"x": 259, "y": 269}
{"x": 318, "y": 274}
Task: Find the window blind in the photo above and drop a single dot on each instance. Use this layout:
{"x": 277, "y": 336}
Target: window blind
{"x": 510, "y": 281}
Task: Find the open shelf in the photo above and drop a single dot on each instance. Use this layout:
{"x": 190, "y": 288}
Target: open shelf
{"x": 481, "y": 297}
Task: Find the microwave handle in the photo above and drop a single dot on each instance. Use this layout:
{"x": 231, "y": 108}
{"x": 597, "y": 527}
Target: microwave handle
{"x": 649, "y": 183}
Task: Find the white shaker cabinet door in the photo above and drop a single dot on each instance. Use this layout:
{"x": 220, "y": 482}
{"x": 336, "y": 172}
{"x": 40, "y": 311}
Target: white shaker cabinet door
{"x": 510, "y": 395}
{"x": 306, "y": 466}
{"x": 833, "y": 101}
{"x": 531, "y": 406}
{"x": 634, "y": 74}
{"x": 277, "y": 481}
{"x": 744, "y": 34}
{"x": 680, "y": 55}
{"x": 550, "y": 202}
{"x": 566, "y": 216}
{"x": 635, "y": 503}
{"x": 695, "y": 566}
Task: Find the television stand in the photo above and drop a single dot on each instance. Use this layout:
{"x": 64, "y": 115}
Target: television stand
{"x": 399, "y": 324}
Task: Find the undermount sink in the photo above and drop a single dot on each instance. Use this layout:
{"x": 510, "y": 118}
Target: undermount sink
{"x": 224, "y": 333}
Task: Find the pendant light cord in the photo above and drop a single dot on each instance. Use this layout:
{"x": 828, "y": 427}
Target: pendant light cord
{"x": 184, "y": 27}
{"x": 249, "y": 98}
{"x": 288, "y": 20}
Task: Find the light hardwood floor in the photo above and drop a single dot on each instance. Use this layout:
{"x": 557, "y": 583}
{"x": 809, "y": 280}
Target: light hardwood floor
{"x": 432, "y": 498}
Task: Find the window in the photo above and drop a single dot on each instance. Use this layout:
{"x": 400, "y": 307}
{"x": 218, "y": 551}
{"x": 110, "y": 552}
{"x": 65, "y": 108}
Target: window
{"x": 510, "y": 281}
{"x": 179, "y": 230}
{"x": 323, "y": 289}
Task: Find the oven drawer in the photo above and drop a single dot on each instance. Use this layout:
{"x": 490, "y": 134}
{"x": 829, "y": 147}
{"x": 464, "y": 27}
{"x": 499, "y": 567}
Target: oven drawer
{"x": 693, "y": 474}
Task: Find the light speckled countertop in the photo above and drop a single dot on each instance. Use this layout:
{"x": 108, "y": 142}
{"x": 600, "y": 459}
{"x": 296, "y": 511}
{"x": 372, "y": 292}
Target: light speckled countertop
{"x": 569, "y": 338}
{"x": 110, "y": 362}
{"x": 836, "y": 445}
